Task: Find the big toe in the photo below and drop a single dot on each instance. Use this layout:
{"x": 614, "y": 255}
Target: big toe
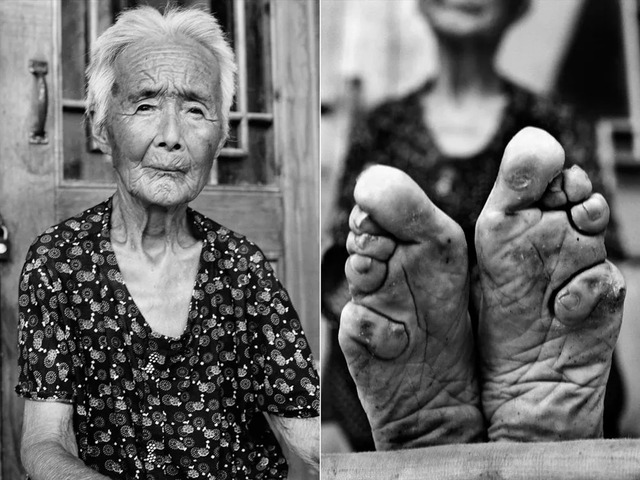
{"x": 531, "y": 161}
{"x": 430, "y": 250}
{"x": 398, "y": 205}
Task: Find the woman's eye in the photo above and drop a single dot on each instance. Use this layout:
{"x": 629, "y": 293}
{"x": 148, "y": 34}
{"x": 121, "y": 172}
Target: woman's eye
{"x": 144, "y": 108}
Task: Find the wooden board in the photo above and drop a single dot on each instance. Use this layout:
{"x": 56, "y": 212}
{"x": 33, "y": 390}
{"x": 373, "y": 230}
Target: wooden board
{"x": 26, "y": 186}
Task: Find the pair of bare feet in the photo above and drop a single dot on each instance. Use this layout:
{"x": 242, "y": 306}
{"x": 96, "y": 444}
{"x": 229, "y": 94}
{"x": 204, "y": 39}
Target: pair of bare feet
{"x": 550, "y": 307}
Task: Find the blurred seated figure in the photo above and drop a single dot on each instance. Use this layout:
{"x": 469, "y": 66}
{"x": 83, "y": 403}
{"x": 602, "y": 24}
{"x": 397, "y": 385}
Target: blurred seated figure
{"x": 449, "y": 136}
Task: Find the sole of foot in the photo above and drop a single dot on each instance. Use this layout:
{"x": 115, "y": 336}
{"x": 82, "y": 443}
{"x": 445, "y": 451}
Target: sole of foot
{"x": 551, "y": 304}
{"x": 406, "y": 333}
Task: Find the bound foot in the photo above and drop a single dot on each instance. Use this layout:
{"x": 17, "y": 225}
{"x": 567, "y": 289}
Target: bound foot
{"x": 551, "y": 304}
{"x": 406, "y": 334}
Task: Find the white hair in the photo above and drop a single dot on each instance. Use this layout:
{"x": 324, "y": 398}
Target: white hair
{"x": 146, "y": 22}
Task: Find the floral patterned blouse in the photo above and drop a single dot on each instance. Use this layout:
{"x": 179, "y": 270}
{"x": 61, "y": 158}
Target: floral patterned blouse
{"x": 147, "y": 406}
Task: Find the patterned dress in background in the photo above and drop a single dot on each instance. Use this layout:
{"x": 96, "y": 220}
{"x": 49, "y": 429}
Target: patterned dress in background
{"x": 395, "y": 134}
{"x": 148, "y": 406}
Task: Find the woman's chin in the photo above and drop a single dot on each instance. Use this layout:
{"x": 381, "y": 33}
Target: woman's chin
{"x": 166, "y": 197}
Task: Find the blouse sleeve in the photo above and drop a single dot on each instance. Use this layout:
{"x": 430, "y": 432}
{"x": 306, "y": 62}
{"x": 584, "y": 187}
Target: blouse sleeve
{"x": 287, "y": 383}
{"x": 44, "y": 342}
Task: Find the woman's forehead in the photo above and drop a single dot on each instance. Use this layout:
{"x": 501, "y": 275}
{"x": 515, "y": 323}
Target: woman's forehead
{"x": 181, "y": 65}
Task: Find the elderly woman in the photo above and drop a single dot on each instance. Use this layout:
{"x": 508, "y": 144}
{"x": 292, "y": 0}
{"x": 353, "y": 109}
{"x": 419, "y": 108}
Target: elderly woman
{"x": 153, "y": 339}
{"x": 449, "y": 136}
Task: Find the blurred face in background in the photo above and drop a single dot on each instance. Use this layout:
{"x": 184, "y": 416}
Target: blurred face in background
{"x": 472, "y": 19}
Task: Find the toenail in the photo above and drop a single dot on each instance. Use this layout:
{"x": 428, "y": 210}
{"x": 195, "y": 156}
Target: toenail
{"x": 363, "y": 264}
{"x": 569, "y": 301}
{"x": 362, "y": 240}
{"x": 593, "y": 214}
{"x": 360, "y": 219}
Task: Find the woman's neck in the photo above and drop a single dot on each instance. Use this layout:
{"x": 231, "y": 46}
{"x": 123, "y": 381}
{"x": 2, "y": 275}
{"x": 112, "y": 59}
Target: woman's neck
{"x": 149, "y": 229}
{"x": 466, "y": 70}
{"x": 464, "y": 107}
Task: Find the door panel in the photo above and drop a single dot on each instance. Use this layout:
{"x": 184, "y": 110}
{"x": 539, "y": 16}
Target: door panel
{"x": 26, "y": 183}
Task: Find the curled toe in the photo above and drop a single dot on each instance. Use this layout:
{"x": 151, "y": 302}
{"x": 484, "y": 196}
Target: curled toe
{"x": 577, "y": 185}
{"x": 375, "y": 246}
{"x": 592, "y": 215}
{"x": 361, "y": 222}
{"x": 554, "y": 196}
{"x": 364, "y": 274}
{"x": 361, "y": 327}
{"x": 601, "y": 286}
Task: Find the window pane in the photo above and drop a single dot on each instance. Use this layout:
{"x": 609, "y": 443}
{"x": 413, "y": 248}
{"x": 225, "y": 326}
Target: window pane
{"x": 74, "y": 48}
{"x": 234, "y": 134}
{"x": 258, "y": 56}
{"x": 261, "y": 151}
{"x": 223, "y": 11}
{"x": 256, "y": 167}
{"x": 79, "y": 162}
{"x": 106, "y": 15}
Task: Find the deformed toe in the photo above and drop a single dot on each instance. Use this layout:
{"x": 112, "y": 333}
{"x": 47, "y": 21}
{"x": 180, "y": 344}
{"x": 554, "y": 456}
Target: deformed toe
{"x": 601, "y": 286}
{"x": 375, "y": 246}
{"x": 398, "y": 204}
{"x": 592, "y": 215}
{"x": 577, "y": 185}
{"x": 554, "y": 196}
{"x": 361, "y": 327}
{"x": 364, "y": 274}
{"x": 531, "y": 160}
{"x": 361, "y": 222}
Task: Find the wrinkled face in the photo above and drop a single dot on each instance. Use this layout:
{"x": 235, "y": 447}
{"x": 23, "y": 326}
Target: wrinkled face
{"x": 163, "y": 125}
{"x": 471, "y": 18}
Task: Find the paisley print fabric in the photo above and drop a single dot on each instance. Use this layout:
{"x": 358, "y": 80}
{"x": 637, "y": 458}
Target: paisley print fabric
{"x": 147, "y": 406}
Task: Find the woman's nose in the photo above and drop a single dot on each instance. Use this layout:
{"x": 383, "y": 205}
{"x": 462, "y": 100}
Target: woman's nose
{"x": 170, "y": 130}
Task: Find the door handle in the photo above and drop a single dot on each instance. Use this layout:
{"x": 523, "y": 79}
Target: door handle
{"x": 38, "y": 134}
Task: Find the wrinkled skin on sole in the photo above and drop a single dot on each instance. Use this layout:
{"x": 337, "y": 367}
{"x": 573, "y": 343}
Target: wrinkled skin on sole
{"x": 551, "y": 304}
{"x": 406, "y": 334}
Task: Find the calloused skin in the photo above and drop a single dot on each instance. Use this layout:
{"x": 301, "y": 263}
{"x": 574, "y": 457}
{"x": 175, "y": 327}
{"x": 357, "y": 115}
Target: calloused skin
{"x": 550, "y": 306}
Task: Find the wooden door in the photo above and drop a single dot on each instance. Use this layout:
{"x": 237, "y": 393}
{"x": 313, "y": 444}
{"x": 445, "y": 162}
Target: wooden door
{"x": 265, "y": 185}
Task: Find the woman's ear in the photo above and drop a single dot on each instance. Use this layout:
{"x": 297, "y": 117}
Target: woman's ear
{"x": 99, "y": 134}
